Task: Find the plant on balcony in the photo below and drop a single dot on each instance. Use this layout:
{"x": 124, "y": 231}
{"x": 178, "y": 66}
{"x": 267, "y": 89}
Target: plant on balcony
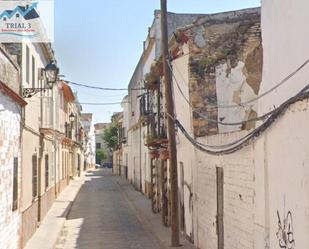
{"x": 157, "y": 68}
{"x": 164, "y": 154}
{"x": 152, "y": 81}
{"x": 154, "y": 154}
{"x": 153, "y": 140}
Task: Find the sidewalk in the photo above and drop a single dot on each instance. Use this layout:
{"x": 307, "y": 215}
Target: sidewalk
{"x": 47, "y": 234}
{"x": 142, "y": 206}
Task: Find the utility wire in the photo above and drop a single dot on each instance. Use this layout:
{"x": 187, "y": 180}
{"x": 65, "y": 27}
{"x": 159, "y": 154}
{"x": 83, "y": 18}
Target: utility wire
{"x": 103, "y": 88}
{"x": 263, "y": 94}
{"x": 114, "y": 103}
{"x": 213, "y": 120}
{"x": 240, "y": 143}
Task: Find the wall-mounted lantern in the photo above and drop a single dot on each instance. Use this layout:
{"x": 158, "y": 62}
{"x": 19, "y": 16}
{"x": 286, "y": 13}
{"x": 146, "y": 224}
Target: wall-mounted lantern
{"x": 51, "y": 73}
{"x": 72, "y": 117}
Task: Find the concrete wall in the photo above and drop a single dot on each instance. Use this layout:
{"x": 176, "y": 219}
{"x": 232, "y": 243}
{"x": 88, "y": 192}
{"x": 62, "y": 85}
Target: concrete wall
{"x": 282, "y": 152}
{"x": 185, "y": 151}
{"x": 43, "y": 119}
{"x": 10, "y": 221}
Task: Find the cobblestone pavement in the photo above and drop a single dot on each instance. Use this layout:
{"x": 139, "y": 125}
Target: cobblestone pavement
{"x": 101, "y": 217}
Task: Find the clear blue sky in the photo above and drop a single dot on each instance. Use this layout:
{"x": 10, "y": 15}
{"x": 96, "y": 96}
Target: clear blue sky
{"x": 99, "y": 42}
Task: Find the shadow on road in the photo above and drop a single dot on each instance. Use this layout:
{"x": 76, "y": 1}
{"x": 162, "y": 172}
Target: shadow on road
{"x": 102, "y": 218}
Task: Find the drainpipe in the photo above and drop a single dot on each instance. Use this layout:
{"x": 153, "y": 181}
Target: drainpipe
{"x": 54, "y": 137}
{"x": 41, "y": 152}
{"x": 140, "y": 158}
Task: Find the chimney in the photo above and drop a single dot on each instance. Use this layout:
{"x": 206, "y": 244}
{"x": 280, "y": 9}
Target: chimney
{"x": 27, "y": 6}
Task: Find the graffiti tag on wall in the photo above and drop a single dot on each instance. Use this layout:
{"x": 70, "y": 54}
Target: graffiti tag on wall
{"x": 285, "y": 233}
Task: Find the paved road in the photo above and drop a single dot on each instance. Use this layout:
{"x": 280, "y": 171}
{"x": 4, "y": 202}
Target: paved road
{"x": 101, "y": 217}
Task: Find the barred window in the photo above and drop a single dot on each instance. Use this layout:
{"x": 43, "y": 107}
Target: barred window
{"x": 34, "y": 176}
{"x": 15, "y": 184}
{"x": 46, "y": 171}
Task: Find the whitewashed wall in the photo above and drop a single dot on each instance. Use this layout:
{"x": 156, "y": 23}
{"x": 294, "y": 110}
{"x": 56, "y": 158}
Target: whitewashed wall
{"x": 238, "y": 170}
{"x": 185, "y": 151}
{"x": 10, "y": 221}
{"x": 282, "y": 154}
{"x": 232, "y": 89}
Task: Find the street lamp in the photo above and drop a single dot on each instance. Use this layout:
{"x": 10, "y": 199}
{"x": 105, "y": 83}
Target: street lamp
{"x": 72, "y": 117}
{"x": 51, "y": 74}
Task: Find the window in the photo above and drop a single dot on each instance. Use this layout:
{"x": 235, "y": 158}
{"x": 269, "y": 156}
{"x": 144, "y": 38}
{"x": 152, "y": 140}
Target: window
{"x": 27, "y": 65}
{"x": 34, "y": 176}
{"x": 63, "y": 165}
{"x": 46, "y": 171}
{"x": 4, "y": 19}
{"x": 98, "y": 145}
{"x": 17, "y": 15}
{"x": 33, "y": 72}
{"x": 144, "y": 105}
{"x": 15, "y": 184}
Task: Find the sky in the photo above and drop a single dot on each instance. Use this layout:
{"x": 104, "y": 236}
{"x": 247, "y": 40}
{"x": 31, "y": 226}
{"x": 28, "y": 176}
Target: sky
{"x": 99, "y": 42}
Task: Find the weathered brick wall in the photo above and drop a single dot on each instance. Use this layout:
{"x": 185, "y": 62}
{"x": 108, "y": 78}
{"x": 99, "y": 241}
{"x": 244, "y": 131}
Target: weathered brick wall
{"x": 10, "y": 221}
{"x": 225, "y": 68}
{"x": 238, "y": 217}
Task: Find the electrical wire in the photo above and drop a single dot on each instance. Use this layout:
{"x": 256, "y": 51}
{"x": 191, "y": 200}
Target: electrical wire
{"x": 101, "y": 104}
{"x": 104, "y": 88}
{"x": 260, "y": 95}
{"x": 213, "y": 120}
{"x": 240, "y": 143}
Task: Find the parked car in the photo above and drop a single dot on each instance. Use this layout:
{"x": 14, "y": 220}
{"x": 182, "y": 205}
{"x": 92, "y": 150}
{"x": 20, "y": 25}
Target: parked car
{"x": 107, "y": 165}
{"x": 97, "y": 166}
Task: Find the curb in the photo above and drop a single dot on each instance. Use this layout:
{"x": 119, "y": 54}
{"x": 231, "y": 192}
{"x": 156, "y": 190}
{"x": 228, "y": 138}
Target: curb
{"x": 141, "y": 216}
{"x": 48, "y": 233}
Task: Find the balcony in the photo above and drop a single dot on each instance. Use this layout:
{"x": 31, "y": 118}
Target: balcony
{"x": 51, "y": 120}
{"x": 47, "y": 113}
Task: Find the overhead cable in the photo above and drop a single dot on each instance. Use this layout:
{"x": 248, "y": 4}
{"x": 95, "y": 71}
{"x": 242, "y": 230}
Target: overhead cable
{"x": 114, "y": 103}
{"x": 213, "y": 120}
{"x": 104, "y": 88}
{"x": 260, "y": 95}
{"x": 242, "y": 142}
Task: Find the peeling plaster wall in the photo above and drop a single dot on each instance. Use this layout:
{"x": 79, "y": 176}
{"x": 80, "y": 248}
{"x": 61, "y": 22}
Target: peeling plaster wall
{"x": 225, "y": 69}
{"x": 10, "y": 148}
{"x": 10, "y": 221}
{"x": 233, "y": 89}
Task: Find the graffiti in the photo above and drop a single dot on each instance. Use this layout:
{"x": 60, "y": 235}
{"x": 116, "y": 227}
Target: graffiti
{"x": 285, "y": 233}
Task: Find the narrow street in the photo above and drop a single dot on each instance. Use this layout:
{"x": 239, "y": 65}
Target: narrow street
{"x": 102, "y": 217}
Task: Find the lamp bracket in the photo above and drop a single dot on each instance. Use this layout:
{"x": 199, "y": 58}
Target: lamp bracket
{"x": 30, "y": 92}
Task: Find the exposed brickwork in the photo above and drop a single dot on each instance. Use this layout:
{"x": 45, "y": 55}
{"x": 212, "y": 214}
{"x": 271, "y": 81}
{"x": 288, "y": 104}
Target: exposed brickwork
{"x": 238, "y": 194}
{"x": 214, "y": 41}
{"x": 10, "y": 220}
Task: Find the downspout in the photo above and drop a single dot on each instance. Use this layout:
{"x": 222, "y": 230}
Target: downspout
{"x": 41, "y": 152}
{"x": 54, "y": 139}
{"x": 140, "y": 158}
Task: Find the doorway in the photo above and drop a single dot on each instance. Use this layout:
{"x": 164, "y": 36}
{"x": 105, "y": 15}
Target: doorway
{"x": 220, "y": 207}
